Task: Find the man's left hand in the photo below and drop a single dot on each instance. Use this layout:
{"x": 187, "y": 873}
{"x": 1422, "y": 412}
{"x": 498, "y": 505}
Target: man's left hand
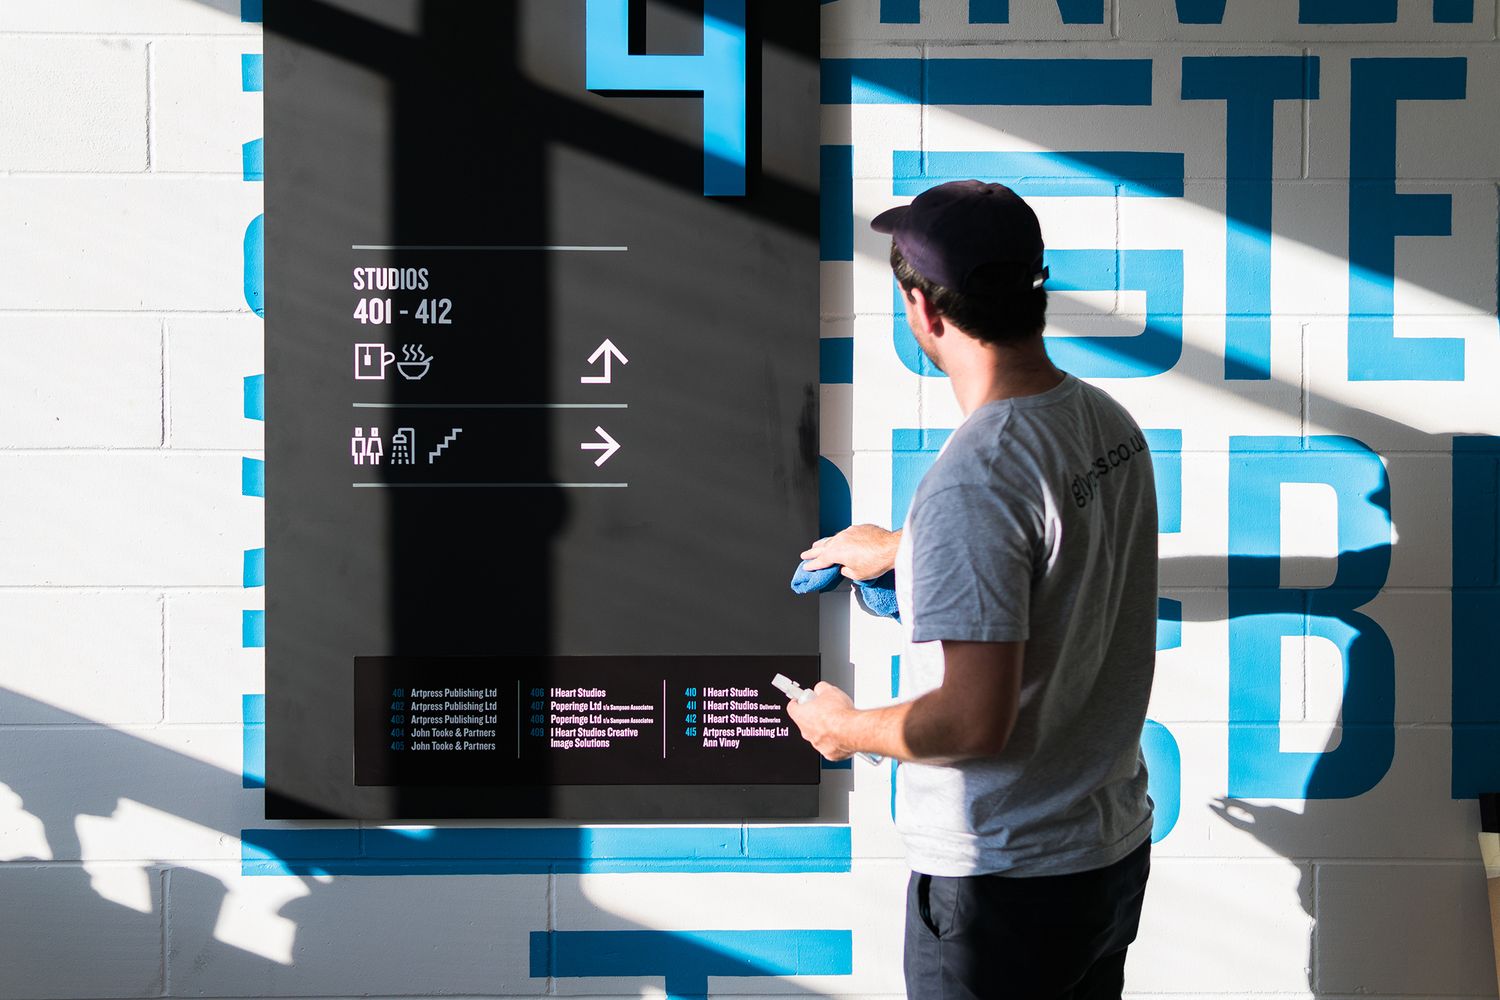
{"x": 866, "y": 551}
{"x": 822, "y": 720}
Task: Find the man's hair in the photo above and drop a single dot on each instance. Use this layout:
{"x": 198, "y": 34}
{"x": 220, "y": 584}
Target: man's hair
{"x": 1013, "y": 312}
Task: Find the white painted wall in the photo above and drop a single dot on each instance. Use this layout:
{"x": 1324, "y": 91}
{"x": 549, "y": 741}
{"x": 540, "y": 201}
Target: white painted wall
{"x": 126, "y": 336}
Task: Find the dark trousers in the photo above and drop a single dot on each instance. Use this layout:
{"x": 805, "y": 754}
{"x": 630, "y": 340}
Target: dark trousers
{"x": 989, "y": 937}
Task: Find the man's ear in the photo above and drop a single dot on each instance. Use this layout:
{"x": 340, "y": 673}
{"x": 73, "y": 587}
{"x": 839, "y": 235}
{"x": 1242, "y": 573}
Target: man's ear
{"x": 924, "y": 312}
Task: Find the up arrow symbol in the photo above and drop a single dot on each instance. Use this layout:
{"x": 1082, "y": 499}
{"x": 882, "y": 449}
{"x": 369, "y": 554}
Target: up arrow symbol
{"x": 607, "y": 350}
{"x": 607, "y": 445}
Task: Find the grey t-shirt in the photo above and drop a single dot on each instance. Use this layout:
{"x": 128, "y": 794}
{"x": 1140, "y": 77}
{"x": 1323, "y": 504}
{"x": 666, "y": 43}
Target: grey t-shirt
{"x": 1036, "y": 524}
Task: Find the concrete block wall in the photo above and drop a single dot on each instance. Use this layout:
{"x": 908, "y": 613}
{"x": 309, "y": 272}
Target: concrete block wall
{"x": 1286, "y": 267}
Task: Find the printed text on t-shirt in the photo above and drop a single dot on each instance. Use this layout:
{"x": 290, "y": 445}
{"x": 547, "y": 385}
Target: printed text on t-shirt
{"x": 1086, "y": 484}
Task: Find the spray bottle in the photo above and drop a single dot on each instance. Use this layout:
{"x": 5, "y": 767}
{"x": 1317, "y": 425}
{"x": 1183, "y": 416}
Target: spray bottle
{"x": 800, "y": 694}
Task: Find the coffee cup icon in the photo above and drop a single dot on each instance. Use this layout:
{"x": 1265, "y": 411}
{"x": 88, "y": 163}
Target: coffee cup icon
{"x": 370, "y": 361}
{"x": 415, "y": 363}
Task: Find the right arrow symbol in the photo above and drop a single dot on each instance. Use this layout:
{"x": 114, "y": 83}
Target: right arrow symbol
{"x": 608, "y": 350}
{"x": 607, "y": 445}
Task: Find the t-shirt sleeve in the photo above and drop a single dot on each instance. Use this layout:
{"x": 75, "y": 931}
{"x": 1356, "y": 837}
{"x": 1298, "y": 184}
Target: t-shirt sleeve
{"x": 972, "y": 564}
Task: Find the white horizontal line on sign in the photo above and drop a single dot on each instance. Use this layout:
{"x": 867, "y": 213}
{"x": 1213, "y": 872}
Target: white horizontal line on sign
{"x": 492, "y": 406}
{"x": 517, "y": 486}
{"x": 515, "y": 247}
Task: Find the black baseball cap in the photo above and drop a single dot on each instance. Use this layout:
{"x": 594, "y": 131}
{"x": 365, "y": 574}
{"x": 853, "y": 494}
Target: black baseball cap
{"x": 950, "y": 231}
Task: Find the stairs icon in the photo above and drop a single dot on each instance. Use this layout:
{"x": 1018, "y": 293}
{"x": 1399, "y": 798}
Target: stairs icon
{"x": 434, "y": 453}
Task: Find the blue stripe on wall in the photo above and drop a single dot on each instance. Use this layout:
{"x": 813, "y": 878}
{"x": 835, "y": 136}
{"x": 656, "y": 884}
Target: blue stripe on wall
{"x": 250, "y": 11}
{"x": 1168, "y": 623}
{"x": 252, "y": 73}
{"x": 836, "y": 203}
{"x": 1347, "y": 12}
{"x": 1476, "y": 616}
{"x": 686, "y": 959}
{"x": 1164, "y": 767}
{"x": 253, "y": 160}
{"x": 895, "y": 693}
{"x": 1166, "y": 463}
{"x": 1333, "y": 11}
{"x": 836, "y": 360}
{"x": 255, "y": 568}
{"x": 253, "y": 747}
{"x": 1200, "y": 11}
{"x": 987, "y": 81}
{"x": 1070, "y": 174}
{"x": 871, "y": 81}
{"x": 1079, "y": 11}
{"x": 255, "y": 265}
{"x": 1038, "y": 81}
{"x": 253, "y": 629}
{"x": 900, "y": 11}
{"x": 989, "y": 11}
{"x": 912, "y": 454}
{"x": 255, "y": 397}
{"x": 1453, "y": 11}
{"x": 834, "y": 504}
{"x": 509, "y": 851}
{"x": 252, "y": 477}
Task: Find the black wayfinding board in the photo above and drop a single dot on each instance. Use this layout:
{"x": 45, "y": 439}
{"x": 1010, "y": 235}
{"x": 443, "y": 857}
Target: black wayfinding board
{"x": 541, "y": 406}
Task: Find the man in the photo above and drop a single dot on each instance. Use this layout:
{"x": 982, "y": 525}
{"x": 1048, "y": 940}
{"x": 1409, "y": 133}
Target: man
{"x": 1026, "y": 579}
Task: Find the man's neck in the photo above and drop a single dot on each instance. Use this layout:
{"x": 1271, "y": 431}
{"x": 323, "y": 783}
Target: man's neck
{"x": 984, "y": 373}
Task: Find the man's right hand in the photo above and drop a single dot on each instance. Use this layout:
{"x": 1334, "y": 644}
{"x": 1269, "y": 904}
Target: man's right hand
{"x": 864, "y": 550}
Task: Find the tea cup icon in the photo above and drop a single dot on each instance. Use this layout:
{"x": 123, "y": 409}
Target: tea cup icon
{"x": 371, "y": 360}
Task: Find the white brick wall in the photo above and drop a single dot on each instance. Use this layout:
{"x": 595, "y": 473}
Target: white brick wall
{"x": 74, "y": 104}
{"x": 81, "y": 381}
{"x": 126, "y": 337}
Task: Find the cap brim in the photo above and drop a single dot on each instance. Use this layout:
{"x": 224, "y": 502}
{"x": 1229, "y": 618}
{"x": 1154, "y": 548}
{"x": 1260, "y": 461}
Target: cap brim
{"x": 887, "y": 221}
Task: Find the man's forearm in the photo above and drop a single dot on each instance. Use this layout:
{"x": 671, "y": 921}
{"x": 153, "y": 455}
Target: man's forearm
{"x": 971, "y": 714}
{"x": 913, "y": 731}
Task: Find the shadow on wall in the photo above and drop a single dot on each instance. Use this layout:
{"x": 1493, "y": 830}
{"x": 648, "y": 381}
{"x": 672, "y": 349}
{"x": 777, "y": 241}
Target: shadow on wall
{"x": 56, "y": 916}
{"x": 1365, "y": 914}
{"x": 76, "y": 929}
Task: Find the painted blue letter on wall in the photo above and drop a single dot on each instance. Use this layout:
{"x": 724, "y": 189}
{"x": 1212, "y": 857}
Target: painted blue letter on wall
{"x": 1328, "y": 11}
{"x": 1377, "y": 215}
{"x": 1164, "y": 765}
{"x": 991, "y": 11}
{"x": 719, "y": 74}
{"x": 1261, "y": 612}
{"x": 1476, "y": 616}
{"x": 1250, "y": 86}
{"x": 1156, "y": 349}
{"x": 685, "y": 959}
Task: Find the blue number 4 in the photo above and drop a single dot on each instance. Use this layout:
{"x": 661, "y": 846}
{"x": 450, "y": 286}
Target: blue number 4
{"x": 718, "y": 74}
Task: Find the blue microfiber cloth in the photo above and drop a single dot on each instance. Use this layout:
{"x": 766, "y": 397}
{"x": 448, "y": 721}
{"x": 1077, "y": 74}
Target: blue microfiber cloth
{"x": 806, "y": 581}
{"x": 877, "y": 596}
